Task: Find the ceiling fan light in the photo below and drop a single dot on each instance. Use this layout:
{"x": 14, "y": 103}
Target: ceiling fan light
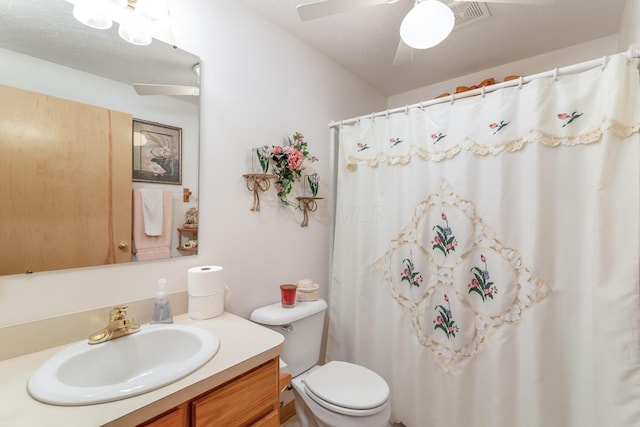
{"x": 427, "y": 24}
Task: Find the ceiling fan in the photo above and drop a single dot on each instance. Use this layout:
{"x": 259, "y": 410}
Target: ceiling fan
{"x": 170, "y": 90}
{"x": 438, "y": 16}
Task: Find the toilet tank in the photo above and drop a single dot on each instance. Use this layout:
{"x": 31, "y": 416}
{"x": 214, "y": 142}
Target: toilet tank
{"x": 301, "y": 326}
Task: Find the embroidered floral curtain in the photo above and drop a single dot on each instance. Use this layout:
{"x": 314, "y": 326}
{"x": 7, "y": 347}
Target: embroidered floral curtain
{"x": 486, "y": 255}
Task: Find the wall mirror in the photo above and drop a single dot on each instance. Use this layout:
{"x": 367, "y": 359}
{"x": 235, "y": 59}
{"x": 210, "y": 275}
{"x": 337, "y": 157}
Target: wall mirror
{"x": 45, "y": 51}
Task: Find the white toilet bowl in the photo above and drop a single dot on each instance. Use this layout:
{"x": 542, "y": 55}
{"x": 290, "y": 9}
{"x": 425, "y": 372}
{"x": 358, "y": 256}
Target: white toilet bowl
{"x": 338, "y": 394}
{"x": 341, "y": 394}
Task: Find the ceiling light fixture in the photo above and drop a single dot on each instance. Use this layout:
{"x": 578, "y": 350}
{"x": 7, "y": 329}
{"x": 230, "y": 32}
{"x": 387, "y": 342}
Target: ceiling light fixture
{"x": 140, "y": 20}
{"x": 97, "y": 14}
{"x": 137, "y": 26}
{"x": 134, "y": 28}
{"x": 427, "y": 24}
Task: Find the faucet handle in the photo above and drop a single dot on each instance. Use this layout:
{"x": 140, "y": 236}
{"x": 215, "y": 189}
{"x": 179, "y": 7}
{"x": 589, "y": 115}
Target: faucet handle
{"x": 118, "y": 313}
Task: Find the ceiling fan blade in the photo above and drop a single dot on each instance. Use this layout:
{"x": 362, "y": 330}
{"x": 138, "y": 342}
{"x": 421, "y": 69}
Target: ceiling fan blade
{"x": 404, "y": 54}
{"x": 532, "y": 2}
{"x": 169, "y": 90}
{"x": 322, "y": 8}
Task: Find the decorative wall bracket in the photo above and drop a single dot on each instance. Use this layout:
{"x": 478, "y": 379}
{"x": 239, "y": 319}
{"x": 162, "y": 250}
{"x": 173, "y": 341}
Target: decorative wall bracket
{"x": 309, "y": 204}
{"x": 257, "y": 182}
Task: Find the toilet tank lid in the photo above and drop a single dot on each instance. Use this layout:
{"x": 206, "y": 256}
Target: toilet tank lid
{"x": 275, "y": 314}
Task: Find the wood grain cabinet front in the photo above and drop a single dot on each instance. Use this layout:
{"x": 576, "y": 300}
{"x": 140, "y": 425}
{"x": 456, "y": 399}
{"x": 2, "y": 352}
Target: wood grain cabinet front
{"x": 251, "y": 399}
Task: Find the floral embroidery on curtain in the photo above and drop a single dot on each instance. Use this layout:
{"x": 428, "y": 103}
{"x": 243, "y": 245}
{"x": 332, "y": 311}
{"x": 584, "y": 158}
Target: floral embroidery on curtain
{"x": 438, "y": 272}
{"x": 506, "y": 121}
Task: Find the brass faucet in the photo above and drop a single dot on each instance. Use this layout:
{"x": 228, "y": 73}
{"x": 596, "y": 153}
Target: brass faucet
{"x": 119, "y": 326}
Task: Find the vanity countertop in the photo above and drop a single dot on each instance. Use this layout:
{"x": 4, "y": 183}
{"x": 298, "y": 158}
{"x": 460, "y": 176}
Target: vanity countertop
{"x": 243, "y": 346}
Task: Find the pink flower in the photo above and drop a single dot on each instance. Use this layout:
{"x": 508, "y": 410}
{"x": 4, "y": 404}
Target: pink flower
{"x": 277, "y": 150}
{"x": 434, "y": 136}
{"x": 446, "y": 298}
{"x": 406, "y": 272}
{"x": 295, "y": 159}
{"x": 444, "y": 217}
{"x": 475, "y": 283}
{"x": 359, "y": 144}
{"x": 437, "y": 240}
{"x": 449, "y": 246}
{"x": 482, "y": 258}
{"x": 486, "y": 291}
{"x": 563, "y": 116}
{"x": 493, "y": 125}
{"x": 440, "y": 320}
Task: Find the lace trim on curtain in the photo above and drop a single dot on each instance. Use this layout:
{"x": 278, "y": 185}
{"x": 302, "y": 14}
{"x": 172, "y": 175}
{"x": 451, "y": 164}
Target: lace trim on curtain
{"x": 533, "y": 136}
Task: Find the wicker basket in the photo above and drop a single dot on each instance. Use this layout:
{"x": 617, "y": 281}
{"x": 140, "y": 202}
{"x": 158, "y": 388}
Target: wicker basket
{"x": 307, "y": 290}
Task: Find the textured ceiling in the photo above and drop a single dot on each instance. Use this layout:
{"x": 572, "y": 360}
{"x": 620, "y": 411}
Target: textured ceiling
{"x": 365, "y": 41}
{"x": 46, "y": 29}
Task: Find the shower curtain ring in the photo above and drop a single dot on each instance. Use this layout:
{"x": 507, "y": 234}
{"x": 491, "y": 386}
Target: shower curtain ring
{"x": 520, "y": 82}
{"x": 452, "y": 97}
{"x": 387, "y": 114}
{"x": 555, "y": 74}
{"x": 422, "y": 105}
{"x": 605, "y": 60}
{"x": 483, "y": 91}
{"x": 629, "y": 55}
{"x": 406, "y": 109}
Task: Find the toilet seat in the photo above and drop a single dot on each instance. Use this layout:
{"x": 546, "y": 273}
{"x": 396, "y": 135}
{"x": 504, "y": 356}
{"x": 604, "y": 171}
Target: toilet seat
{"x": 347, "y": 389}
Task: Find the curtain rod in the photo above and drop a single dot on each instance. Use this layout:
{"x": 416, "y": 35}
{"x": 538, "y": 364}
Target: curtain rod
{"x": 555, "y": 73}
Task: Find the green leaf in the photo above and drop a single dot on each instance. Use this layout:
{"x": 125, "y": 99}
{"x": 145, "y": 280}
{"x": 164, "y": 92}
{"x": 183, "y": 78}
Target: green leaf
{"x": 439, "y": 326}
{"x": 480, "y": 279}
{"x": 476, "y": 290}
{"x": 441, "y": 249}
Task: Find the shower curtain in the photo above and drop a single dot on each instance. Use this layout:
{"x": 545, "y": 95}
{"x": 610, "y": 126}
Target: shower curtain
{"x": 486, "y": 254}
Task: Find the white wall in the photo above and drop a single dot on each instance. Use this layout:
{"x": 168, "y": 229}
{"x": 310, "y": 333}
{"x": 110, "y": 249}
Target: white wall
{"x": 536, "y": 64}
{"x": 630, "y": 25}
{"x": 258, "y": 85}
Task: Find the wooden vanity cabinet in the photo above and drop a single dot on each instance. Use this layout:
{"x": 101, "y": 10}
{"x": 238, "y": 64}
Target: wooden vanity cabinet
{"x": 251, "y": 399}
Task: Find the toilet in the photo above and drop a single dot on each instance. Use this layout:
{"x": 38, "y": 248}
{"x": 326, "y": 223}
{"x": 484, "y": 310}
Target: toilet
{"x": 337, "y": 394}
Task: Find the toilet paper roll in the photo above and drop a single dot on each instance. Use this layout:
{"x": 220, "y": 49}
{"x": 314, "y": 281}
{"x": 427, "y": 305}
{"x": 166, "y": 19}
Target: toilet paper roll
{"x": 205, "y": 280}
{"x": 206, "y": 307}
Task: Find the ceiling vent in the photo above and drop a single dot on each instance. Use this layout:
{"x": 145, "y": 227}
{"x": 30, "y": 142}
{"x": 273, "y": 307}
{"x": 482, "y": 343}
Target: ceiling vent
{"x": 468, "y": 12}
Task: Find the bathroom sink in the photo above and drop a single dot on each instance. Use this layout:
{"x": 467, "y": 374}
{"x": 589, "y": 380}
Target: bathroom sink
{"x": 155, "y": 356}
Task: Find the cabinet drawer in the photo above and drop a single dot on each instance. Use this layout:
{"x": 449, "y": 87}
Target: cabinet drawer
{"x": 249, "y": 399}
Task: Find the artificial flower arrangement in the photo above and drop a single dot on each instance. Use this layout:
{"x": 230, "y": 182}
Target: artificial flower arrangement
{"x": 287, "y": 165}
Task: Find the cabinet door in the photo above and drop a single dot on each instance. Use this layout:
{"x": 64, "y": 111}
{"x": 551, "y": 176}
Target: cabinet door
{"x": 65, "y": 192}
{"x": 249, "y": 400}
{"x": 177, "y": 417}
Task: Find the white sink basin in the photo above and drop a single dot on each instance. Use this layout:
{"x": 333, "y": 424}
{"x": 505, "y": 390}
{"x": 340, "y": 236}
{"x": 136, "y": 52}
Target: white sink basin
{"x": 158, "y": 355}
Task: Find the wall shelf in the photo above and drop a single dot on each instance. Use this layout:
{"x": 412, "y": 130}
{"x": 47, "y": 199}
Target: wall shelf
{"x": 309, "y": 204}
{"x": 258, "y": 182}
{"x": 185, "y": 234}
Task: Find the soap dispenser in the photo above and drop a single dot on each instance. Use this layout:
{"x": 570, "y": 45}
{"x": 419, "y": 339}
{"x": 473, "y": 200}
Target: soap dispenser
{"x": 161, "y": 309}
